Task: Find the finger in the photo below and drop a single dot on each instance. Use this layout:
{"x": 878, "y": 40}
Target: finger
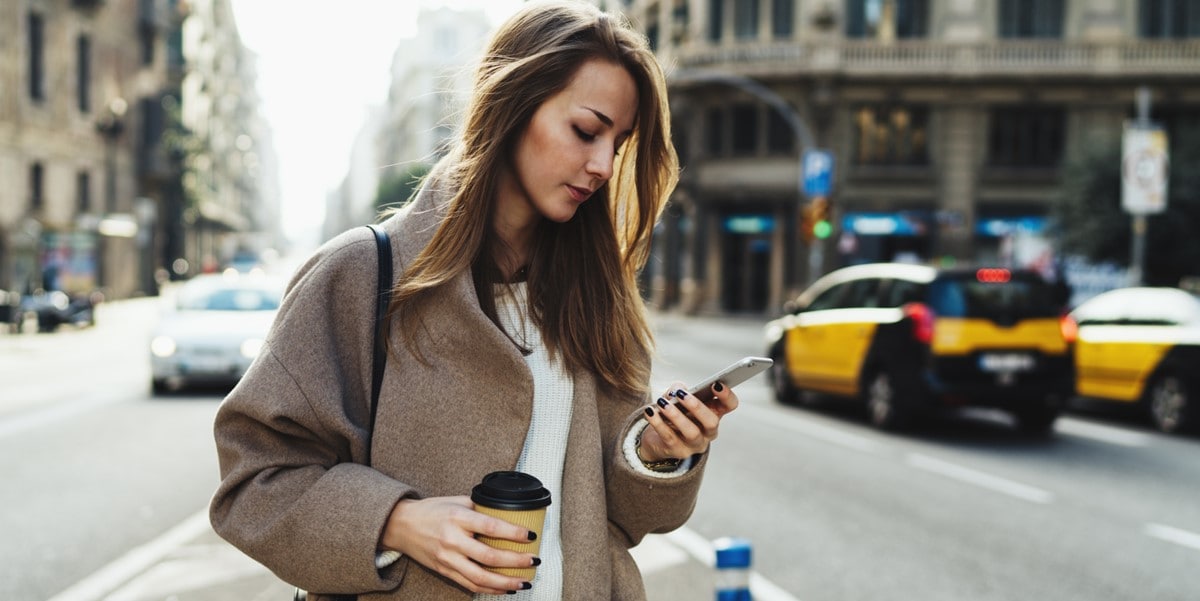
{"x": 727, "y": 399}
{"x": 667, "y": 436}
{"x": 486, "y": 525}
{"x": 688, "y": 430}
{"x": 482, "y": 557}
{"x": 703, "y": 415}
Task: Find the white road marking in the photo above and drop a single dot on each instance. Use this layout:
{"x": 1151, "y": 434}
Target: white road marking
{"x": 701, "y": 550}
{"x": 136, "y": 561}
{"x": 1107, "y": 434}
{"x": 978, "y": 478}
{"x": 655, "y": 553}
{"x": 28, "y": 421}
{"x": 813, "y": 429}
{"x": 1174, "y": 535}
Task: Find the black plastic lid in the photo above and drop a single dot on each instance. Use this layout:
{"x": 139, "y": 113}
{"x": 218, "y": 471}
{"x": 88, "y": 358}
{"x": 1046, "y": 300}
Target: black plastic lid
{"x": 516, "y": 491}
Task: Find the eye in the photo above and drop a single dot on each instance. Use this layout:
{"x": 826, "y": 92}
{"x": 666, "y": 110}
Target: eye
{"x": 583, "y": 135}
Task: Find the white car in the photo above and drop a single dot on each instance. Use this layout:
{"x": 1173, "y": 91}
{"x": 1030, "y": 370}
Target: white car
{"x": 213, "y": 330}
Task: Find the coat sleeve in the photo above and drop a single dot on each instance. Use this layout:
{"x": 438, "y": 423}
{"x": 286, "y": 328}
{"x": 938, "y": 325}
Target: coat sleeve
{"x": 639, "y": 504}
{"x": 293, "y": 434}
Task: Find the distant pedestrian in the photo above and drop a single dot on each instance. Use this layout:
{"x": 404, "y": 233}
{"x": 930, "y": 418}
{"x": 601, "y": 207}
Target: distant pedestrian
{"x": 517, "y": 340}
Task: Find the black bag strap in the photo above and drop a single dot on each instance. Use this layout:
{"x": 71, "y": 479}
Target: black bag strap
{"x": 383, "y": 290}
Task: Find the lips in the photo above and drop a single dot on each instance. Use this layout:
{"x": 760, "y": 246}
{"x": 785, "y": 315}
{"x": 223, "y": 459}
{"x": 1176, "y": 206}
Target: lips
{"x": 578, "y": 194}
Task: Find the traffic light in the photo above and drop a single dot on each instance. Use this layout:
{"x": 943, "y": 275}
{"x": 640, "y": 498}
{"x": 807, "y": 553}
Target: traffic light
{"x": 814, "y": 220}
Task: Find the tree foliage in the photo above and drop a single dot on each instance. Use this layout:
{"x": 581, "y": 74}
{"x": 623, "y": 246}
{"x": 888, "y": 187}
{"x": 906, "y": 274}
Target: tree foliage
{"x": 396, "y": 190}
{"x": 1094, "y": 225}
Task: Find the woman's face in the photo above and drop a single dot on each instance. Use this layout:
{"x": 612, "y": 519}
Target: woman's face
{"x": 567, "y": 150}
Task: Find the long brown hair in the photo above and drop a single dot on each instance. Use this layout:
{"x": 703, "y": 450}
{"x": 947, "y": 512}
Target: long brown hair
{"x": 582, "y": 279}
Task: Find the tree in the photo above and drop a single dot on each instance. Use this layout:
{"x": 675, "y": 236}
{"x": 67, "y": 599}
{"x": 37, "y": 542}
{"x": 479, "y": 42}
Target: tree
{"x": 1093, "y": 224}
{"x": 398, "y": 189}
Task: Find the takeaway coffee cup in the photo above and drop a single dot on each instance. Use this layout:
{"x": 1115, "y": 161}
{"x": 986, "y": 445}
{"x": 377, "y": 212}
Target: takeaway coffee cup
{"x": 517, "y": 498}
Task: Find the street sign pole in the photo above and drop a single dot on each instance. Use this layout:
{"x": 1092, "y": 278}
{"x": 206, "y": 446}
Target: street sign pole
{"x": 816, "y": 172}
{"x": 1143, "y": 179}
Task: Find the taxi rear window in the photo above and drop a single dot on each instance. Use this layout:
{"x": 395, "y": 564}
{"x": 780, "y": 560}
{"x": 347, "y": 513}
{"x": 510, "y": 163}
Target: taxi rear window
{"x": 1021, "y": 296}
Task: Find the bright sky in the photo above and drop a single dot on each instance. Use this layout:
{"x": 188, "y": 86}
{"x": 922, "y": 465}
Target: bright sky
{"x": 321, "y": 63}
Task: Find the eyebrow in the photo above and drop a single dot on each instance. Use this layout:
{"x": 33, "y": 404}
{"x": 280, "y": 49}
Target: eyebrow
{"x": 601, "y": 116}
{"x": 605, "y": 118}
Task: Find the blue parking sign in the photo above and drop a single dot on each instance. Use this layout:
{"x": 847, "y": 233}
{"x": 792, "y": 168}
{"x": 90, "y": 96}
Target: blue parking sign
{"x": 818, "y": 172}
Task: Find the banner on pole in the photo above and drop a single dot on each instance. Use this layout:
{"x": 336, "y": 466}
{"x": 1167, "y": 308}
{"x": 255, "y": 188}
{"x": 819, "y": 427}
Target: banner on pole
{"x": 1144, "y": 168}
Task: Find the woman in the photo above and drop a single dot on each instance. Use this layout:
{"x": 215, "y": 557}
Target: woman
{"x": 517, "y": 340}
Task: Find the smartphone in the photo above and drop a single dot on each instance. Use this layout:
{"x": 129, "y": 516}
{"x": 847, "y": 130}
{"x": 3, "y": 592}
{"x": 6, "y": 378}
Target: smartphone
{"x": 739, "y": 371}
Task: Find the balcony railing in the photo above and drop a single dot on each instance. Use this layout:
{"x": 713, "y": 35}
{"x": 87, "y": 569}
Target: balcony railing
{"x": 940, "y": 59}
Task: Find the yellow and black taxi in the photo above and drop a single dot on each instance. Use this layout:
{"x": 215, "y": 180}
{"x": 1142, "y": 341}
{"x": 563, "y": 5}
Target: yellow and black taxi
{"x": 1141, "y": 346}
{"x": 906, "y": 340}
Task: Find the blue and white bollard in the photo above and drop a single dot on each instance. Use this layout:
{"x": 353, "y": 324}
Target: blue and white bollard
{"x": 733, "y": 569}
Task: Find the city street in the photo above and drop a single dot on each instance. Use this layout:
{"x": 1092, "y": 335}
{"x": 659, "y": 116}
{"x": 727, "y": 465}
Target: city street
{"x": 104, "y": 489}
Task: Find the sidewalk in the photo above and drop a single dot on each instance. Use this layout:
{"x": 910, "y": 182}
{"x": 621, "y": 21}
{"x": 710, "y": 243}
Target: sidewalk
{"x": 191, "y": 563}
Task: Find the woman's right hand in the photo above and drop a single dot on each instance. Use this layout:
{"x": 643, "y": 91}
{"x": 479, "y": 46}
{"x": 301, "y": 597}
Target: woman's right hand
{"x": 439, "y": 533}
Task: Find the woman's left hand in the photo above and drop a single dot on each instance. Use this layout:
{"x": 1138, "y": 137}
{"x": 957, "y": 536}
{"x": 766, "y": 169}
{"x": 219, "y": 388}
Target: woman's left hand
{"x": 675, "y": 434}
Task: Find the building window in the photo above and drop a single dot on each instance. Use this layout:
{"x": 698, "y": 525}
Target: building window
{"x": 887, "y": 19}
{"x": 1031, "y": 18}
{"x": 147, "y": 30}
{"x": 716, "y": 19}
{"x": 37, "y": 180}
{"x": 652, "y": 36}
{"x": 781, "y": 138}
{"x": 783, "y": 18}
{"x": 83, "y": 72}
{"x": 745, "y": 19}
{"x": 37, "y": 57}
{"x": 891, "y": 135}
{"x": 715, "y": 131}
{"x": 83, "y": 192}
{"x": 680, "y": 17}
{"x": 1169, "y": 18}
{"x": 1027, "y": 137}
{"x": 744, "y": 118}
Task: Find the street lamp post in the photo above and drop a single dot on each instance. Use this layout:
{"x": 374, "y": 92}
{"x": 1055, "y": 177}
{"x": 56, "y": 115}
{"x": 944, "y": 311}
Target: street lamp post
{"x": 110, "y": 126}
{"x": 803, "y": 136}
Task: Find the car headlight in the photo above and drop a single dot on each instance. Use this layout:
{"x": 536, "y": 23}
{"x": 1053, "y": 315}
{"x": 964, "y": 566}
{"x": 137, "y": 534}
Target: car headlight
{"x": 251, "y": 347}
{"x": 162, "y": 346}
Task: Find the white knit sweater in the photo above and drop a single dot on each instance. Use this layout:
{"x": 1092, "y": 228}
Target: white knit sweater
{"x": 546, "y": 443}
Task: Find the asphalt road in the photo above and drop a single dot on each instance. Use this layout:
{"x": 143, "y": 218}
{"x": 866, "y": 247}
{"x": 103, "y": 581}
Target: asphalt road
{"x": 964, "y": 509}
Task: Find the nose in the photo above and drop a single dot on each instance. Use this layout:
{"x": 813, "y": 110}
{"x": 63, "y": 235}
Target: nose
{"x": 600, "y": 163}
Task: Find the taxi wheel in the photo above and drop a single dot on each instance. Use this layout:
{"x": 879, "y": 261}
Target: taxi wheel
{"x": 883, "y": 408}
{"x": 781, "y": 382}
{"x": 1169, "y": 402}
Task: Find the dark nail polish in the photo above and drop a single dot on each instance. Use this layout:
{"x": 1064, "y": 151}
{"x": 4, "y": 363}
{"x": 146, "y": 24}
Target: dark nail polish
{"x": 526, "y": 586}
{"x": 680, "y": 393}
{"x": 662, "y": 403}
{"x": 511, "y": 593}
{"x": 532, "y": 535}
{"x": 718, "y": 387}
{"x": 537, "y": 561}
{"x": 649, "y": 412}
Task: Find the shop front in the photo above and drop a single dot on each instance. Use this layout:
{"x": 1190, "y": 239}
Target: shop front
{"x": 879, "y": 237}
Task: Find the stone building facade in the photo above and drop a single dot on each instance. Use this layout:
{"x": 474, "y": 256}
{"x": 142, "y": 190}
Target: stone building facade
{"x": 948, "y": 122}
{"x": 74, "y": 205}
{"x": 129, "y": 142}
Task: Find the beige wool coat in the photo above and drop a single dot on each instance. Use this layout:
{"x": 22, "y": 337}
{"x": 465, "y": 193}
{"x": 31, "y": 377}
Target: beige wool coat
{"x": 293, "y": 435}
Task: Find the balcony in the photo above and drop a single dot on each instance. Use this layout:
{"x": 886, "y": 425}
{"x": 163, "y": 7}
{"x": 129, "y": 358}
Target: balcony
{"x": 906, "y": 59}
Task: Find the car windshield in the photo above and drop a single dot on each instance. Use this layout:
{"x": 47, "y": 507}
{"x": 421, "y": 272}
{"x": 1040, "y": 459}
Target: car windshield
{"x": 966, "y": 296}
{"x": 230, "y": 298}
